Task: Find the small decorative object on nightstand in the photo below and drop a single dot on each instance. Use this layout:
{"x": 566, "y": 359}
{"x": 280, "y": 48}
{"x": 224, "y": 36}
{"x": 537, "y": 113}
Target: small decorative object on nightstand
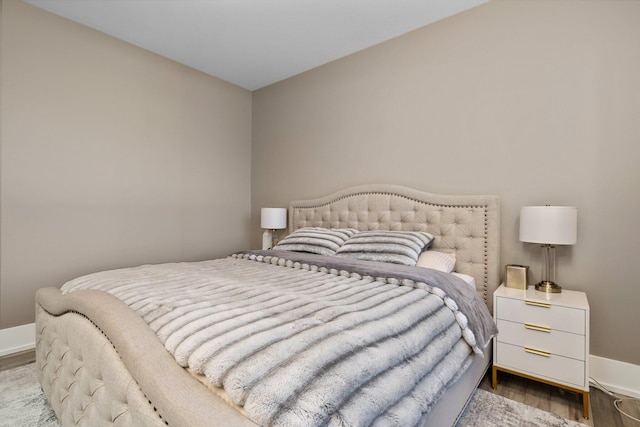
{"x": 272, "y": 219}
{"x": 543, "y": 337}
{"x": 549, "y": 226}
{"x": 516, "y": 276}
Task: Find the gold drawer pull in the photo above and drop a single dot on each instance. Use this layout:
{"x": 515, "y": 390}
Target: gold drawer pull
{"x": 537, "y": 304}
{"x": 538, "y": 352}
{"x": 537, "y": 328}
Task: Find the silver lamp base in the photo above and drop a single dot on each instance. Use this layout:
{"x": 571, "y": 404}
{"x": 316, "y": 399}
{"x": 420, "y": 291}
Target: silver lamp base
{"x": 548, "y": 287}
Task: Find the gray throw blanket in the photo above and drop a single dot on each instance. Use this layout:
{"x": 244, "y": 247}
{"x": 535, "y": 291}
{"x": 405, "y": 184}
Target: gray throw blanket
{"x": 307, "y": 340}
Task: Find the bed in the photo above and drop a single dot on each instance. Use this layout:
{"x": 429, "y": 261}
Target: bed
{"x": 101, "y": 362}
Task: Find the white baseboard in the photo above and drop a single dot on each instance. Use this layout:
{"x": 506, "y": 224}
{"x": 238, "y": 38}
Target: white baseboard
{"x": 621, "y": 377}
{"x": 17, "y": 339}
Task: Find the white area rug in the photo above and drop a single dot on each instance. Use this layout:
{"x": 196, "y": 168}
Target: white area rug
{"x": 22, "y": 404}
{"x": 488, "y": 409}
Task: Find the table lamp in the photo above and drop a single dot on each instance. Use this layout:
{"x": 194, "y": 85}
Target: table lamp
{"x": 272, "y": 219}
{"x": 549, "y": 226}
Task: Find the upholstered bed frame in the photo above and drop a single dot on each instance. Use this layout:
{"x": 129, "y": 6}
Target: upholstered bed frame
{"x": 99, "y": 364}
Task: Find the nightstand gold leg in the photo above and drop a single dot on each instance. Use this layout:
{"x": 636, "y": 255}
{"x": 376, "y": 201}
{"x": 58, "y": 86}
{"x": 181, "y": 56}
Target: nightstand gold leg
{"x": 494, "y": 377}
{"x": 585, "y": 404}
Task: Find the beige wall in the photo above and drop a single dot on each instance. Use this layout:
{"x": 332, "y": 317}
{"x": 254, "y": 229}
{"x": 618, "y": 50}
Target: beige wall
{"x": 537, "y": 102}
{"x": 110, "y": 156}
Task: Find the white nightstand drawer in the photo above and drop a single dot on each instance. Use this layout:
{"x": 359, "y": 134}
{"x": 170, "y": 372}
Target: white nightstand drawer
{"x": 529, "y": 335}
{"x": 553, "y": 367}
{"x": 551, "y": 316}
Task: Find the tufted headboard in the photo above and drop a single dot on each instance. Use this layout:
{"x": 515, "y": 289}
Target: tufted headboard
{"x": 469, "y": 226}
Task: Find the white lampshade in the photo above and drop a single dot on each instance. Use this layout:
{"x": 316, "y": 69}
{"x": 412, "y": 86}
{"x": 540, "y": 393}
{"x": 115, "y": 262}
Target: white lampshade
{"x": 273, "y": 218}
{"x": 553, "y": 225}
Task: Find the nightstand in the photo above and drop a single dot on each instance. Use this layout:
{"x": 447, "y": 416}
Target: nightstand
{"x": 543, "y": 337}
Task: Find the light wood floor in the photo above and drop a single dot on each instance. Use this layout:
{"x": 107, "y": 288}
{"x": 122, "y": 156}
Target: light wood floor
{"x": 564, "y": 403}
{"x": 548, "y": 398}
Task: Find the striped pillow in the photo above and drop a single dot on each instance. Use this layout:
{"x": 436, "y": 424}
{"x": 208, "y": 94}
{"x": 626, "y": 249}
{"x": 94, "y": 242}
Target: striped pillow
{"x": 316, "y": 240}
{"x": 398, "y": 247}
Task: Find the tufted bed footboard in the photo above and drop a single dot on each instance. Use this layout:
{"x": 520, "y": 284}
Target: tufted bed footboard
{"x": 128, "y": 379}
{"x": 71, "y": 354}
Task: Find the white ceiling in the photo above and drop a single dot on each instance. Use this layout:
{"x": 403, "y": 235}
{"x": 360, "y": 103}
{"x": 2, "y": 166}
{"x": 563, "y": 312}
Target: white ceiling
{"x": 254, "y": 43}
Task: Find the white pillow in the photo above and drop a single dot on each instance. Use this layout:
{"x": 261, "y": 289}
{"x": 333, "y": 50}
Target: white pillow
{"x": 469, "y": 279}
{"x": 435, "y": 260}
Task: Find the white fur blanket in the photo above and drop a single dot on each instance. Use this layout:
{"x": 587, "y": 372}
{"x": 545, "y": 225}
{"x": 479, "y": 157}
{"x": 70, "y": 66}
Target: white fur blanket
{"x": 299, "y": 345}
